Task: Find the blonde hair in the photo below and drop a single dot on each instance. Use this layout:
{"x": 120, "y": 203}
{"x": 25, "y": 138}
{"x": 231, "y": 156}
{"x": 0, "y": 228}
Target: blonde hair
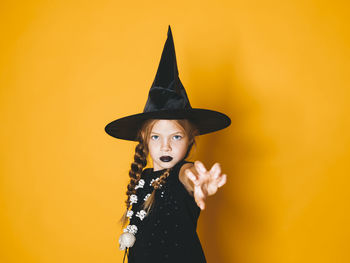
{"x": 140, "y": 161}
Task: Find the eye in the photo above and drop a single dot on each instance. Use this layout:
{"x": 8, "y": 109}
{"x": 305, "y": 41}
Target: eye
{"x": 154, "y": 137}
{"x": 177, "y": 137}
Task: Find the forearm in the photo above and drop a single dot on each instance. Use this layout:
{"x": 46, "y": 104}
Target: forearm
{"x": 188, "y": 184}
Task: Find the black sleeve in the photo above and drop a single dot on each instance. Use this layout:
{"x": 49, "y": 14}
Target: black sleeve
{"x": 181, "y": 195}
{"x": 178, "y": 189}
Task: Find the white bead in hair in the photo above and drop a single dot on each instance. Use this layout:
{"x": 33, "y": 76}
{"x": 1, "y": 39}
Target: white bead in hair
{"x": 133, "y": 199}
{"x": 126, "y": 240}
{"x": 141, "y": 214}
{"x": 131, "y": 229}
{"x": 129, "y": 213}
{"x": 140, "y": 184}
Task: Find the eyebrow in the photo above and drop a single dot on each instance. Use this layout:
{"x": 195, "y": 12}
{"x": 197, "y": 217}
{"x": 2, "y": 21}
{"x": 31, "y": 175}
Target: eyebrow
{"x": 169, "y": 134}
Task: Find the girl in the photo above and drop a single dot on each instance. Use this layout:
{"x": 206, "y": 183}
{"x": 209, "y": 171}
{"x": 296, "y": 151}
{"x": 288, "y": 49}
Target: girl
{"x": 163, "y": 203}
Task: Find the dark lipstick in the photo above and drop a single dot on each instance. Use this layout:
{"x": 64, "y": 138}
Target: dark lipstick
{"x": 166, "y": 158}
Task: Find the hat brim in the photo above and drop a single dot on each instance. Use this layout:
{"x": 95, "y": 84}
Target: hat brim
{"x": 206, "y": 121}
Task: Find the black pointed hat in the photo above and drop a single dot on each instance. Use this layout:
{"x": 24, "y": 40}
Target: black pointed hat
{"x": 167, "y": 99}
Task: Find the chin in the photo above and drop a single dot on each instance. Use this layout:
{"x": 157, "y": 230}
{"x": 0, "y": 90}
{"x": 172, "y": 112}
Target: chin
{"x": 167, "y": 165}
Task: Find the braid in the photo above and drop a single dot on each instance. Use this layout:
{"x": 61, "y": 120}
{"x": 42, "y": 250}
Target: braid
{"x": 156, "y": 185}
{"x": 140, "y": 161}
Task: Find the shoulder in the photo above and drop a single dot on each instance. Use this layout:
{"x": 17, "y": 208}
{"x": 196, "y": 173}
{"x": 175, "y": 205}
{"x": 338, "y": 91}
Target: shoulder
{"x": 183, "y": 178}
{"x": 186, "y": 165}
{"x": 182, "y": 166}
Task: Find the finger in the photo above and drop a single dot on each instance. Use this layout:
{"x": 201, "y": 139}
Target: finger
{"x": 198, "y": 193}
{"x": 199, "y": 197}
{"x": 202, "y": 205}
{"x": 215, "y": 170}
{"x": 202, "y": 178}
{"x": 200, "y": 167}
{"x": 222, "y": 180}
{"x": 191, "y": 176}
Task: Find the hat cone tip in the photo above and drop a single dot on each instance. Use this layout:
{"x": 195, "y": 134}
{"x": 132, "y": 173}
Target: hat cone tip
{"x": 169, "y": 31}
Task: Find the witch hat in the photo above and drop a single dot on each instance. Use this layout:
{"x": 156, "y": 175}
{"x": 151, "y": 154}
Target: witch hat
{"x": 167, "y": 99}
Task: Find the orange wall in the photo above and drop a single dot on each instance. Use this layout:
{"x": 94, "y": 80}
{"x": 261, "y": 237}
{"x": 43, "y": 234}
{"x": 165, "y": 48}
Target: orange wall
{"x": 279, "y": 69}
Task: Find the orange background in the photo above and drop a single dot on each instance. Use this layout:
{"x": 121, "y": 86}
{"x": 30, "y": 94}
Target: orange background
{"x": 279, "y": 69}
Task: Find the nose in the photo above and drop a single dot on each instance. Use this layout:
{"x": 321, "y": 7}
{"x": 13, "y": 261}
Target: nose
{"x": 165, "y": 147}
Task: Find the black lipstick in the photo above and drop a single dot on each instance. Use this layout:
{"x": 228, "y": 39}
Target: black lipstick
{"x": 166, "y": 158}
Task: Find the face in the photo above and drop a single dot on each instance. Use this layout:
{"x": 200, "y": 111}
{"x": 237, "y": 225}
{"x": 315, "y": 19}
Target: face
{"x": 168, "y": 144}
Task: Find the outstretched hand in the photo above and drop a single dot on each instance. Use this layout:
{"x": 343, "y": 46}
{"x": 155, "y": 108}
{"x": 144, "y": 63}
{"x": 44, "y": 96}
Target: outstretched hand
{"x": 205, "y": 183}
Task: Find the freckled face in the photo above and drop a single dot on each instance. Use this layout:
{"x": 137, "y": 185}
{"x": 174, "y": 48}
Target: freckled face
{"x": 168, "y": 144}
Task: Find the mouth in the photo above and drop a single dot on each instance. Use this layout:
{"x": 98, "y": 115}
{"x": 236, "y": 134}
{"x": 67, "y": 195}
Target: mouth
{"x": 166, "y": 158}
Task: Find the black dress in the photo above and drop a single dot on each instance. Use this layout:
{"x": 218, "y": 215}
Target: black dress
{"x": 168, "y": 234}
